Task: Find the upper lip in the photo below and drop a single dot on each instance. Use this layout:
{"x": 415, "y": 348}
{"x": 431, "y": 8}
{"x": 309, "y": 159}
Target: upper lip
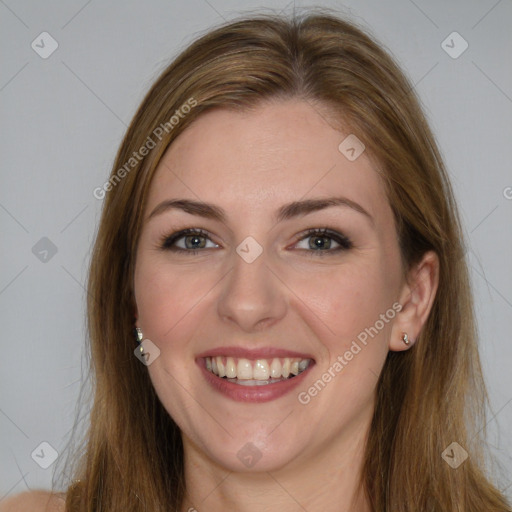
{"x": 253, "y": 353}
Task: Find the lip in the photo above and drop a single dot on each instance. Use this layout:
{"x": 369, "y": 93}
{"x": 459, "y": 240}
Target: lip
{"x": 252, "y": 394}
{"x": 259, "y": 353}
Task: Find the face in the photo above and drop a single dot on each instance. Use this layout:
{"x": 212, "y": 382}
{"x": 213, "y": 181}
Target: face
{"x": 297, "y": 305}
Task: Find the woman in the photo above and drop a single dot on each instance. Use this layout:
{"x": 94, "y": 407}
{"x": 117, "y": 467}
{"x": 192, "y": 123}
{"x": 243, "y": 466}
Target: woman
{"x": 281, "y": 247}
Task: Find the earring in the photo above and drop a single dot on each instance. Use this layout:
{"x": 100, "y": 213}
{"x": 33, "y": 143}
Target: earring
{"x": 405, "y": 338}
{"x": 137, "y": 331}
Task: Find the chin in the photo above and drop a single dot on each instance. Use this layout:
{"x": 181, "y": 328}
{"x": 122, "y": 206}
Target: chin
{"x": 242, "y": 456}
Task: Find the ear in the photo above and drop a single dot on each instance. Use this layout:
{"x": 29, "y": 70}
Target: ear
{"x": 416, "y": 298}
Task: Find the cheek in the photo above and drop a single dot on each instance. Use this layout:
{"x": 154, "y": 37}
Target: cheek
{"x": 167, "y": 301}
{"x": 348, "y": 299}
{"x": 348, "y": 303}
{"x": 166, "y": 296}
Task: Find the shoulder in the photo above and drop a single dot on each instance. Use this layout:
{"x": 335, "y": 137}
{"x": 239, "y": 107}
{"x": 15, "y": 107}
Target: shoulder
{"x": 34, "y": 501}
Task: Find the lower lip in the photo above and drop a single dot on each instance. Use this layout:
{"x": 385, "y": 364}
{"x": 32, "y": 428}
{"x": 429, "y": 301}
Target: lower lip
{"x": 255, "y": 394}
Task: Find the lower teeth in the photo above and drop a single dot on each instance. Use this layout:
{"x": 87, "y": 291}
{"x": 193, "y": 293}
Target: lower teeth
{"x": 253, "y": 382}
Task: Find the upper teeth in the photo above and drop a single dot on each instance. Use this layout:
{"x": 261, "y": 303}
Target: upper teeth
{"x": 259, "y": 369}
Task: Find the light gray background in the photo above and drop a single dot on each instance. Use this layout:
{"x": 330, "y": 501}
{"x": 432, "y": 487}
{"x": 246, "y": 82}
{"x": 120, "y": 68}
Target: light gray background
{"x": 63, "y": 118}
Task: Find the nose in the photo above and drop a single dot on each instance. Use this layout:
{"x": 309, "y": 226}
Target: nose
{"x": 252, "y": 297}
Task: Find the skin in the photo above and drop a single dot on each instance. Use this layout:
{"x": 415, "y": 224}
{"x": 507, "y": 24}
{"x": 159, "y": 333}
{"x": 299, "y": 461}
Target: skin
{"x": 34, "y": 501}
{"x": 290, "y": 297}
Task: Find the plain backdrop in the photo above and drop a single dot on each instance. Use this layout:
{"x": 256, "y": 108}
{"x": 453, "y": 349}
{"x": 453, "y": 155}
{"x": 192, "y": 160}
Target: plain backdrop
{"x": 63, "y": 117}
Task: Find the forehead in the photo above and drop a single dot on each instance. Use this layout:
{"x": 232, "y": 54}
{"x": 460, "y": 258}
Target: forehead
{"x": 254, "y": 161}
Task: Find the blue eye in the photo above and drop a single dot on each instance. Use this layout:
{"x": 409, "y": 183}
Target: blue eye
{"x": 321, "y": 241}
{"x": 194, "y": 240}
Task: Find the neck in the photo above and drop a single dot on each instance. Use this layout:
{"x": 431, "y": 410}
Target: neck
{"x": 328, "y": 481}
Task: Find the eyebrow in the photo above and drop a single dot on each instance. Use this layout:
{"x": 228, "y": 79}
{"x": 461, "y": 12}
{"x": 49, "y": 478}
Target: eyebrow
{"x": 285, "y": 212}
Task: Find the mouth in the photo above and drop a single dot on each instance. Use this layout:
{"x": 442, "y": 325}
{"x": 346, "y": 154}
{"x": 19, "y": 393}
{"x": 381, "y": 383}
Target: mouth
{"x": 259, "y": 372}
{"x": 247, "y": 376}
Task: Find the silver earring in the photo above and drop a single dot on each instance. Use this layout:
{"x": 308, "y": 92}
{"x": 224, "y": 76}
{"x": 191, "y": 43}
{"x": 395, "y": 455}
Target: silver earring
{"x": 138, "y": 335}
{"x": 405, "y": 338}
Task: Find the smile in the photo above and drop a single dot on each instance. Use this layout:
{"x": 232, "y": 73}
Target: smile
{"x": 257, "y": 372}
{"x": 254, "y": 376}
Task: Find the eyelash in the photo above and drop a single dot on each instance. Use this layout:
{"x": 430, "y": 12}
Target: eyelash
{"x": 167, "y": 241}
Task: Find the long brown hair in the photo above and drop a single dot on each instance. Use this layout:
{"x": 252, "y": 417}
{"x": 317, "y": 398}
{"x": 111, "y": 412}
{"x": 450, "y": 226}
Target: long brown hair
{"x": 427, "y": 397}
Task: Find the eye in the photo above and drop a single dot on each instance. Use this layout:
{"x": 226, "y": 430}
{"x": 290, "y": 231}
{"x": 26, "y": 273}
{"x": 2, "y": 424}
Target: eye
{"x": 320, "y": 243}
{"x": 193, "y": 239}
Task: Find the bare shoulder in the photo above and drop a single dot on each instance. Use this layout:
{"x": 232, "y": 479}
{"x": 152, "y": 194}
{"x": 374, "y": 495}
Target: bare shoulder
{"x": 34, "y": 501}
